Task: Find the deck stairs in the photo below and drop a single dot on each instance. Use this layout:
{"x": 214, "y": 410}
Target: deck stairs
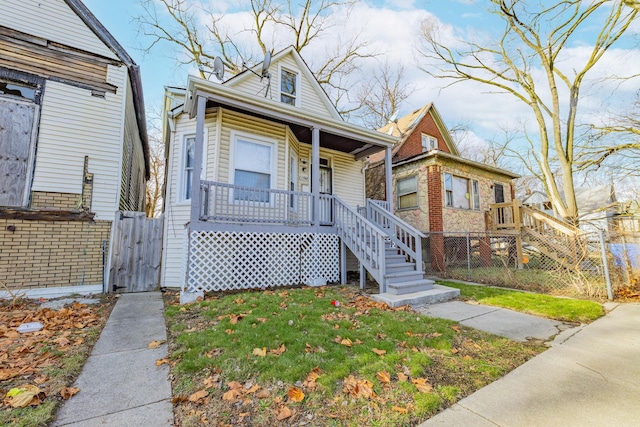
{"x": 551, "y": 236}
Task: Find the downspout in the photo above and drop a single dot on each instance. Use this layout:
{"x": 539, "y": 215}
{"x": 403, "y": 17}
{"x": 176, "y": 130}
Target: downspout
{"x": 388, "y": 172}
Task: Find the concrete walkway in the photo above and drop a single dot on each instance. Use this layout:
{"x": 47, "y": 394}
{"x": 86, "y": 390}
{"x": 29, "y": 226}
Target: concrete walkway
{"x": 498, "y": 321}
{"x": 120, "y": 385}
{"x": 591, "y": 379}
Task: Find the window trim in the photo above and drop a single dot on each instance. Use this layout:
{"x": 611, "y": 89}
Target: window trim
{"x": 399, "y": 194}
{"x": 298, "y": 81}
{"x": 254, "y": 139}
{"x": 473, "y": 190}
{"x": 432, "y": 142}
{"x": 181, "y": 196}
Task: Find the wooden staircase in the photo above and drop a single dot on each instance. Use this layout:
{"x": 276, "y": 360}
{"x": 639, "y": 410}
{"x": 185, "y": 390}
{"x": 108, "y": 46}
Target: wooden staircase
{"x": 553, "y": 237}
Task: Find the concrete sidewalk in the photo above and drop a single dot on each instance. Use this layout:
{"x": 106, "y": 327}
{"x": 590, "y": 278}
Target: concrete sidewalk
{"x": 591, "y": 379}
{"x": 120, "y": 385}
{"x": 498, "y": 321}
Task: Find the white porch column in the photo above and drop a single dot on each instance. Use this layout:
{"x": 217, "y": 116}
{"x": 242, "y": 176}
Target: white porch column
{"x": 197, "y": 160}
{"x": 315, "y": 174}
{"x": 187, "y": 295}
{"x": 388, "y": 178}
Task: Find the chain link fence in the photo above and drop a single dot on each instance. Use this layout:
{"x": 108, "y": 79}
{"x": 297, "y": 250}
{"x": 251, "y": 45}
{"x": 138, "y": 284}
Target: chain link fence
{"x": 535, "y": 262}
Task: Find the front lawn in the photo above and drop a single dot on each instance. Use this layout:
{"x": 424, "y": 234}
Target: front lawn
{"x": 564, "y": 309}
{"x": 323, "y": 356}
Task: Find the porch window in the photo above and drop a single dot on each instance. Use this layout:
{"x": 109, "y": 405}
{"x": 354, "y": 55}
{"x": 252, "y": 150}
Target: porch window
{"x": 407, "y": 192}
{"x": 461, "y": 193}
{"x": 429, "y": 142}
{"x": 253, "y": 167}
{"x": 288, "y": 86}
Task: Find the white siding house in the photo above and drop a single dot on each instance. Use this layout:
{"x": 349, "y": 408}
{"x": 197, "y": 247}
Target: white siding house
{"x": 264, "y": 184}
{"x": 73, "y": 143}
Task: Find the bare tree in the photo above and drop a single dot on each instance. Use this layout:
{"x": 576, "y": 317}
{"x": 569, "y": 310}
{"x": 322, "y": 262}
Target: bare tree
{"x": 380, "y": 97}
{"x": 201, "y": 35}
{"x": 535, "y": 39}
{"x": 157, "y": 160}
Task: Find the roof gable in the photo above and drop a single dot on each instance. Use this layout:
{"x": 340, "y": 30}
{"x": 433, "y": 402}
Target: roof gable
{"x": 312, "y": 96}
{"x": 407, "y": 126}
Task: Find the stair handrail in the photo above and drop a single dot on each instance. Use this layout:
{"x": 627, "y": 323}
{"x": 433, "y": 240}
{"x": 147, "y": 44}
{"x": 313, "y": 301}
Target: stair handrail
{"x": 363, "y": 238}
{"x": 404, "y": 236}
{"x": 549, "y": 220}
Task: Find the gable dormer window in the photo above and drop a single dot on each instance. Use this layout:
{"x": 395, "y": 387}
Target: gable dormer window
{"x": 429, "y": 142}
{"x": 288, "y": 87}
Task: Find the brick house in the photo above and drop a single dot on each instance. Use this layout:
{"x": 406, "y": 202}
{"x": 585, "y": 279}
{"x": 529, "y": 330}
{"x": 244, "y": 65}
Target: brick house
{"x": 434, "y": 189}
{"x": 73, "y": 145}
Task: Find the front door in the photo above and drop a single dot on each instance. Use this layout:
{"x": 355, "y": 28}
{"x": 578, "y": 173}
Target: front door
{"x": 326, "y": 188}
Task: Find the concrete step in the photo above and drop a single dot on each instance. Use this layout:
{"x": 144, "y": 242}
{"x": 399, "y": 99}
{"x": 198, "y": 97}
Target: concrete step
{"x": 409, "y": 286}
{"x": 403, "y": 276}
{"x": 397, "y": 267}
{"x": 437, "y": 294}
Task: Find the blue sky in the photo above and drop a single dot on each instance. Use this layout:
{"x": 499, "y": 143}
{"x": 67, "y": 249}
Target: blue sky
{"x": 160, "y": 69}
{"x": 391, "y": 26}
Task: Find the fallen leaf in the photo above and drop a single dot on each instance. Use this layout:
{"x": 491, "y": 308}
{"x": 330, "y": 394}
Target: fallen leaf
{"x": 347, "y": 342}
{"x": 231, "y": 396}
{"x": 234, "y": 385}
{"x": 178, "y": 399}
{"x": 383, "y": 377}
{"x": 284, "y": 413}
{"x": 67, "y": 392}
{"x": 162, "y": 362}
{"x": 229, "y": 331}
{"x": 260, "y": 352}
{"x": 467, "y": 357}
{"x": 295, "y": 394}
{"x": 436, "y": 334}
{"x": 213, "y": 381}
{"x": 238, "y": 301}
{"x": 278, "y": 351}
{"x": 456, "y": 328}
{"x": 198, "y": 395}
{"x": 402, "y": 377}
{"x": 156, "y": 343}
{"x": 422, "y": 385}
{"x": 20, "y": 397}
{"x": 263, "y": 394}
{"x": 399, "y": 409}
{"x": 379, "y": 352}
{"x": 454, "y": 350}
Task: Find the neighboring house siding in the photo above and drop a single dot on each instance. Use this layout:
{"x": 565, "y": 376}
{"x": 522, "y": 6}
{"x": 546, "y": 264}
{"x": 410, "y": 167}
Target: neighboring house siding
{"x": 52, "y": 20}
{"x": 132, "y": 182}
{"x": 74, "y": 124}
{"x": 413, "y": 144}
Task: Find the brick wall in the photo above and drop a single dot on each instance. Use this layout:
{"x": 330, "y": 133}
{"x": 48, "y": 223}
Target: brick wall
{"x": 413, "y": 144}
{"x": 39, "y": 253}
{"x": 55, "y": 201}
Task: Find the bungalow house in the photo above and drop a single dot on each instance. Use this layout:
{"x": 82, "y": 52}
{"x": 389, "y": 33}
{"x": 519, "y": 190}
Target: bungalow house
{"x": 73, "y": 145}
{"x": 434, "y": 189}
{"x": 264, "y": 182}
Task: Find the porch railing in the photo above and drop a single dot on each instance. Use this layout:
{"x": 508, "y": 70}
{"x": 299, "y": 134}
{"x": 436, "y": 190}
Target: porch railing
{"x": 364, "y": 239}
{"x": 233, "y": 203}
{"x": 403, "y": 235}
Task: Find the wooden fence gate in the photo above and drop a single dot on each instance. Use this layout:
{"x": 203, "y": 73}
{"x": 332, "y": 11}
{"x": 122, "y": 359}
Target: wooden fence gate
{"x": 136, "y": 253}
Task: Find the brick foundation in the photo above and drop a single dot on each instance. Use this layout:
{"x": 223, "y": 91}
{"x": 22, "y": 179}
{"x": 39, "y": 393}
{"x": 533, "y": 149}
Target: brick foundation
{"x": 55, "y": 201}
{"x": 41, "y": 253}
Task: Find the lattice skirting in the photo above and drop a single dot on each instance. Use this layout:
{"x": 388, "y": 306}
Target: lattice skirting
{"x": 220, "y": 261}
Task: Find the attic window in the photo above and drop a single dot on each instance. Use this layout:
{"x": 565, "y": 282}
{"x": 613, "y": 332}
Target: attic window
{"x": 288, "y": 87}
{"x": 429, "y": 142}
